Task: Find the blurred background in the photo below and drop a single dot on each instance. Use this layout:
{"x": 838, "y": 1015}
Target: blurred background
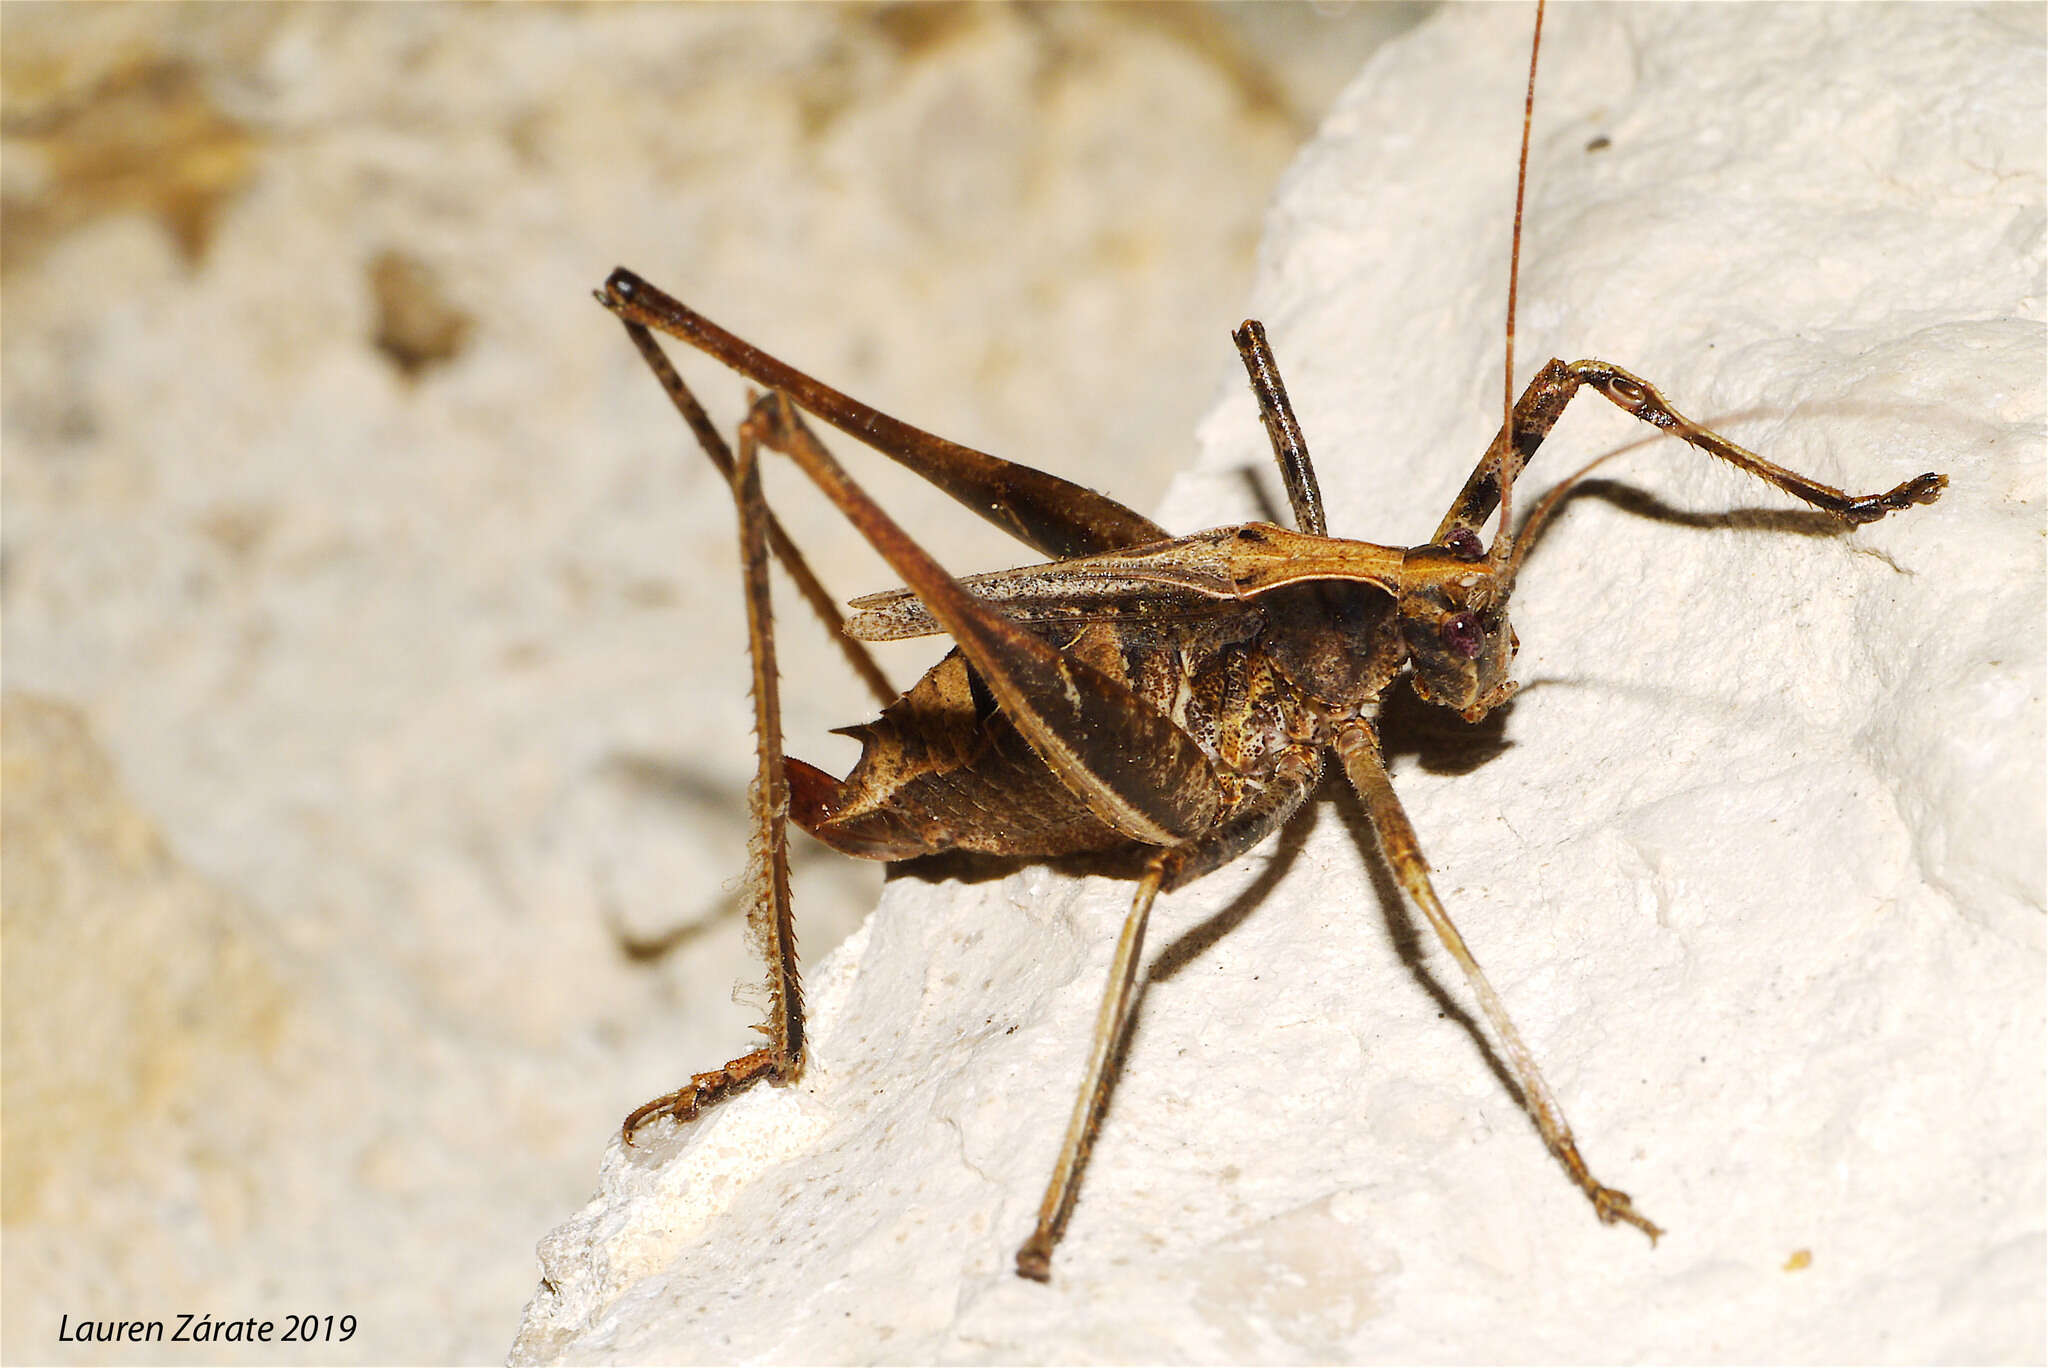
{"x": 375, "y": 725}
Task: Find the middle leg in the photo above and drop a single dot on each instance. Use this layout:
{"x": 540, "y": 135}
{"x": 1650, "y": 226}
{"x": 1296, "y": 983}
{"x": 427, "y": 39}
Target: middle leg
{"x": 1360, "y": 751}
{"x": 1295, "y": 776}
{"x": 1290, "y": 448}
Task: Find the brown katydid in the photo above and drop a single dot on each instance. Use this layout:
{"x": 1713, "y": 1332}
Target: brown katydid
{"x": 1173, "y": 698}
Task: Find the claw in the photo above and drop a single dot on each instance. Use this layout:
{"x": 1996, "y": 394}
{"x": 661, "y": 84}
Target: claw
{"x": 1921, "y": 489}
{"x": 1614, "y": 1205}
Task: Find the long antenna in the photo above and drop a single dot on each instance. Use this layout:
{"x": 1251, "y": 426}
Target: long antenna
{"x": 1507, "y": 400}
{"x": 1504, "y": 454}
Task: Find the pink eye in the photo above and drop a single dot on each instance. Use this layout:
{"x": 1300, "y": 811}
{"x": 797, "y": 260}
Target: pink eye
{"x": 1461, "y": 633}
{"x": 1464, "y": 544}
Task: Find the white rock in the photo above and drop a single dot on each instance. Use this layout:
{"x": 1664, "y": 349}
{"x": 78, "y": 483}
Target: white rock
{"x": 1756, "y": 860}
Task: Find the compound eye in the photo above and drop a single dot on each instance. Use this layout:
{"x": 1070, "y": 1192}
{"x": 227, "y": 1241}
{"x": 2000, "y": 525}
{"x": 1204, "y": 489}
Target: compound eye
{"x": 1463, "y": 543}
{"x": 1462, "y": 634}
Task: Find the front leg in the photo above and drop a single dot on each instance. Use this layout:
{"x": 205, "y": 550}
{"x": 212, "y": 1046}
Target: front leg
{"x": 1541, "y": 404}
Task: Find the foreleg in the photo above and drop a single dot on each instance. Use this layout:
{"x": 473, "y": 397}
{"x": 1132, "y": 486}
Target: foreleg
{"x": 1537, "y": 411}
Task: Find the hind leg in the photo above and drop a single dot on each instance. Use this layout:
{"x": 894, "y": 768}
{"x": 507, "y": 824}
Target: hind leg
{"x": 769, "y": 921}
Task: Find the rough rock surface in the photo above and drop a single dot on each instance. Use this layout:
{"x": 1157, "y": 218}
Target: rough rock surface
{"x": 1755, "y": 860}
